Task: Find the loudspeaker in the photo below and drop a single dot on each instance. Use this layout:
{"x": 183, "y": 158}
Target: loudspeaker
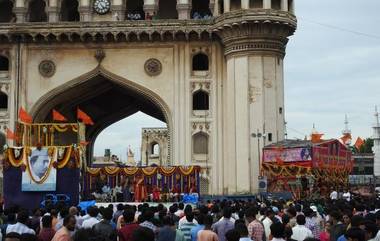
{"x": 263, "y": 184}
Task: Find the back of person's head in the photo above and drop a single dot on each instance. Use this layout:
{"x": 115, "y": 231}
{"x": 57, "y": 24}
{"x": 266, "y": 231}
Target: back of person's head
{"x": 107, "y": 214}
{"x": 67, "y": 219}
{"x": 93, "y": 211}
{"x": 85, "y": 234}
{"x": 227, "y": 212}
{"x": 357, "y": 220}
{"x": 292, "y": 212}
{"x": 73, "y": 210}
{"x": 232, "y": 235}
{"x": 250, "y": 212}
{"x": 64, "y": 211}
{"x": 11, "y": 218}
{"x": 167, "y": 221}
{"x": 288, "y": 232}
{"x": 189, "y": 217}
{"x": 173, "y": 209}
{"x": 188, "y": 209}
{"x": 46, "y": 221}
{"x": 129, "y": 215}
{"x": 143, "y": 234}
{"x": 208, "y": 220}
{"x": 277, "y": 230}
{"x": 120, "y": 207}
{"x": 148, "y": 215}
{"x": 28, "y": 237}
{"x": 181, "y": 206}
{"x": 242, "y": 229}
{"x": 13, "y": 237}
{"x": 371, "y": 229}
{"x": 22, "y": 217}
{"x": 301, "y": 219}
{"x": 336, "y": 215}
{"x": 355, "y": 234}
{"x": 203, "y": 210}
{"x": 239, "y": 221}
{"x": 308, "y": 212}
{"x": 201, "y": 218}
{"x": 54, "y": 213}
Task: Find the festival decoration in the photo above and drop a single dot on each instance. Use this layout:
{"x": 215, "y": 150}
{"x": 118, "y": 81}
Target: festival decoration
{"x": 358, "y": 143}
{"x": 11, "y": 135}
{"x": 86, "y": 119}
{"x": 58, "y": 116}
{"x": 24, "y": 116}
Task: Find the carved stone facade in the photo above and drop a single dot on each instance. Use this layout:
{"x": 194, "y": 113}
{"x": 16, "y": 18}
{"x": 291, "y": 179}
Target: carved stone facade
{"x": 237, "y": 89}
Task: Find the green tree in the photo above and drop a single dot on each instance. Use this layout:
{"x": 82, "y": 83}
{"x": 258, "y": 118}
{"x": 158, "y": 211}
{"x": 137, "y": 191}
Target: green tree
{"x": 365, "y": 148}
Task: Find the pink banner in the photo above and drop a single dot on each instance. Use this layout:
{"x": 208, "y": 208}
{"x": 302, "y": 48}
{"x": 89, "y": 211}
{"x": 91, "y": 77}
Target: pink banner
{"x": 287, "y": 155}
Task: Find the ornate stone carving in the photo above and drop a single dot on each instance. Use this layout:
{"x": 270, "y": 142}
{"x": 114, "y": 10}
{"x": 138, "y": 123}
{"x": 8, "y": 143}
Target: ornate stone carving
{"x": 268, "y": 83}
{"x": 47, "y": 68}
{"x": 100, "y": 55}
{"x": 201, "y": 127}
{"x": 254, "y": 92}
{"x": 200, "y": 85}
{"x": 153, "y": 67}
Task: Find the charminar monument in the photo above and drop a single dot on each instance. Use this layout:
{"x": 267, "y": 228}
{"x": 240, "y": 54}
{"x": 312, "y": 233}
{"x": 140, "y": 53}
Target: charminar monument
{"x": 212, "y": 70}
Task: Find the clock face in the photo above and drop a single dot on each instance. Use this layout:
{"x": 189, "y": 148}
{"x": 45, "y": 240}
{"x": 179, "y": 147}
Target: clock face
{"x": 102, "y": 6}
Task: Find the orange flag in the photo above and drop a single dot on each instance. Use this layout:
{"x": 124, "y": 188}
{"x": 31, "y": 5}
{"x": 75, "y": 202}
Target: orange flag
{"x": 24, "y": 116}
{"x": 11, "y": 135}
{"x": 84, "y": 143}
{"x": 346, "y": 137}
{"x": 81, "y": 115}
{"x": 58, "y": 116}
{"x": 358, "y": 143}
{"x": 316, "y": 137}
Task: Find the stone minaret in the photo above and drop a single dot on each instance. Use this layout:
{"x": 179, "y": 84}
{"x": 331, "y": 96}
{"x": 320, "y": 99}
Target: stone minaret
{"x": 254, "y": 50}
{"x": 376, "y": 145}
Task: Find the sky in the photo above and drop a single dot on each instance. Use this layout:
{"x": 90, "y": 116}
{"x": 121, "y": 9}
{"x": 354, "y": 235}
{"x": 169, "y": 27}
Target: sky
{"x": 331, "y": 69}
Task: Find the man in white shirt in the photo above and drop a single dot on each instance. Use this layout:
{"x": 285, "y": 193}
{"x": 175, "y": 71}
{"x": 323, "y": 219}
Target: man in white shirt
{"x": 93, "y": 212}
{"x": 267, "y": 222}
{"x": 20, "y": 227}
{"x": 334, "y": 195}
{"x": 347, "y": 195}
{"x": 300, "y": 231}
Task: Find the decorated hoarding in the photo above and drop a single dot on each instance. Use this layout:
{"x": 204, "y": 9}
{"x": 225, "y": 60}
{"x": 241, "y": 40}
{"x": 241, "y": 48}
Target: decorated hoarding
{"x": 287, "y": 155}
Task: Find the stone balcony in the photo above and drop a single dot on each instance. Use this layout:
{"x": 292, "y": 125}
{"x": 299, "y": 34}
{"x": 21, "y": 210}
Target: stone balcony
{"x": 142, "y": 30}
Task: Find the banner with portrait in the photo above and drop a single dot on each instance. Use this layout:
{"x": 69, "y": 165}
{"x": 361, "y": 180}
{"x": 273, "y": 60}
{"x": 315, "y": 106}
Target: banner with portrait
{"x": 39, "y": 174}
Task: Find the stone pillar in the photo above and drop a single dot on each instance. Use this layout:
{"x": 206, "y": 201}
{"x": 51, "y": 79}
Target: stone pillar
{"x": 21, "y": 13}
{"x": 212, "y": 6}
{"x": 284, "y": 5}
{"x": 183, "y": 9}
{"x": 267, "y": 4}
{"x": 245, "y": 4}
{"x": 227, "y": 6}
{"x": 85, "y": 11}
{"x": 53, "y": 14}
{"x": 151, "y": 7}
{"x": 216, "y": 8}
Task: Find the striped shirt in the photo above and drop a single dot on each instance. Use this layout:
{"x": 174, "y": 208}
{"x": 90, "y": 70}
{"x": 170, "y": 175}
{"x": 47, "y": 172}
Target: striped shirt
{"x": 256, "y": 230}
{"x": 186, "y": 230}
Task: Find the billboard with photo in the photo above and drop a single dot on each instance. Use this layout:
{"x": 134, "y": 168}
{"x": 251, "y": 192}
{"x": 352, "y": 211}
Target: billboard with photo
{"x": 39, "y": 174}
{"x": 287, "y": 155}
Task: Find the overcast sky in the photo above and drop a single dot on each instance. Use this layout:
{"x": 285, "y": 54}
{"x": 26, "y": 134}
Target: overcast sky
{"x": 331, "y": 69}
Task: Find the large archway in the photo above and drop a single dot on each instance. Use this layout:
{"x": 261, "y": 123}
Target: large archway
{"x": 107, "y": 98}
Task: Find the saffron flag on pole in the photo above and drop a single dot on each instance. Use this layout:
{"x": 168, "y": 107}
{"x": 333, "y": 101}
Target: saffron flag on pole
{"x": 346, "y": 137}
{"x": 24, "y": 116}
{"x": 84, "y": 143}
{"x": 316, "y": 137}
{"x": 86, "y": 119}
{"x": 358, "y": 143}
{"x": 58, "y": 116}
{"x": 11, "y": 135}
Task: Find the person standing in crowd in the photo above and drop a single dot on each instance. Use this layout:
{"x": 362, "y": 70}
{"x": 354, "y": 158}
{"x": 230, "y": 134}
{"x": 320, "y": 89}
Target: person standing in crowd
{"x": 125, "y": 233}
{"x": 186, "y": 227}
{"x": 104, "y": 227}
{"x": 20, "y": 227}
{"x": 267, "y": 222}
{"x": 243, "y": 231}
{"x": 188, "y": 211}
{"x": 200, "y": 226}
{"x": 355, "y": 234}
{"x": 224, "y": 225}
{"x": 300, "y": 231}
{"x": 143, "y": 234}
{"x": 90, "y": 222}
{"x": 334, "y": 195}
{"x": 325, "y": 235}
{"x": 167, "y": 232}
{"x": 277, "y": 231}
{"x": 292, "y": 213}
{"x": 232, "y": 235}
{"x": 371, "y": 231}
{"x": 255, "y": 227}
{"x": 119, "y": 212}
{"x": 64, "y": 233}
{"x": 310, "y": 224}
{"x": 206, "y": 234}
{"x": 47, "y": 232}
{"x": 147, "y": 217}
{"x": 337, "y": 228}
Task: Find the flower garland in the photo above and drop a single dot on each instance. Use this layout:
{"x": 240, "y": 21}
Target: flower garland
{"x": 15, "y": 161}
{"x": 66, "y": 157}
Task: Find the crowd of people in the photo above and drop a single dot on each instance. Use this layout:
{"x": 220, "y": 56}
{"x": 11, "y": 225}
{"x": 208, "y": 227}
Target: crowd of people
{"x": 332, "y": 219}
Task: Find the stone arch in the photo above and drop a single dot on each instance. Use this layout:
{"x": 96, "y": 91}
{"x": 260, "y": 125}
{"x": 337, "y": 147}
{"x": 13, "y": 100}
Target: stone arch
{"x": 201, "y": 100}
{"x": 6, "y": 11}
{"x": 41, "y": 109}
{"x": 167, "y": 9}
{"x": 69, "y": 10}
{"x": 37, "y": 11}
